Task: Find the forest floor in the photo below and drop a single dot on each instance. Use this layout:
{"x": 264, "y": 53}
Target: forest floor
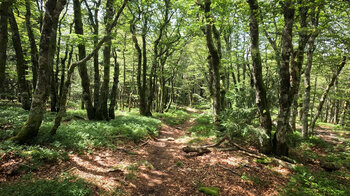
{"x": 158, "y": 166}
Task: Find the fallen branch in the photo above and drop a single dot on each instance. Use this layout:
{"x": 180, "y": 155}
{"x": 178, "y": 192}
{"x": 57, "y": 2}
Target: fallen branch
{"x": 217, "y": 144}
{"x": 236, "y": 173}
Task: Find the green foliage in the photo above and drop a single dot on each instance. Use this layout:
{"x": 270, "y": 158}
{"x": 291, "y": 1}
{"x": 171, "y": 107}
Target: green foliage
{"x": 80, "y": 135}
{"x": 173, "y": 117}
{"x": 66, "y": 186}
{"x": 77, "y": 134}
{"x": 237, "y": 121}
{"x": 204, "y": 126}
{"x": 304, "y": 182}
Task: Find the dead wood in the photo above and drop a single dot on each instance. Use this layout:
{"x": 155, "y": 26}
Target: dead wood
{"x": 199, "y": 150}
{"x": 232, "y": 171}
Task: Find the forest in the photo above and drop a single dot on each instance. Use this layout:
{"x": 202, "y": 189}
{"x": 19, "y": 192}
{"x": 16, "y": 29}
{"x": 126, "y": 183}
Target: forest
{"x": 174, "y": 97}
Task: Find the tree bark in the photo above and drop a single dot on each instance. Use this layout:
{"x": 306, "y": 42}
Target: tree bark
{"x": 30, "y": 129}
{"x": 21, "y": 66}
{"x": 141, "y": 91}
{"x": 325, "y": 93}
{"x": 285, "y": 98}
{"x": 4, "y": 12}
{"x": 260, "y": 91}
{"x": 102, "y": 110}
{"x": 85, "y": 81}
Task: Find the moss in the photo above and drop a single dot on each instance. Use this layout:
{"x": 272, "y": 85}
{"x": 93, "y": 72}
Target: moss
{"x": 209, "y": 190}
{"x": 29, "y": 130}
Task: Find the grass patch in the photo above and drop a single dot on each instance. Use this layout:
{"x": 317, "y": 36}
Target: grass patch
{"x": 66, "y": 186}
{"x": 173, "y": 117}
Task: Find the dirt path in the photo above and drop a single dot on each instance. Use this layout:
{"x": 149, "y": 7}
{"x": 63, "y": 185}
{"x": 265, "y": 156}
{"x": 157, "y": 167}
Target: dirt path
{"x": 161, "y": 168}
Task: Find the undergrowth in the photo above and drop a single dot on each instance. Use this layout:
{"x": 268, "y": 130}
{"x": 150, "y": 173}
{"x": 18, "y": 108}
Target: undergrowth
{"x": 63, "y": 186}
{"x": 173, "y": 117}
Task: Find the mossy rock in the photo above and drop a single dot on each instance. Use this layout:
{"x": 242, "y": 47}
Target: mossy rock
{"x": 209, "y": 190}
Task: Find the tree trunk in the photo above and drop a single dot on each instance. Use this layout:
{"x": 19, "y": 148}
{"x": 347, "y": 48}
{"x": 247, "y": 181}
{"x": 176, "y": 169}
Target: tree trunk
{"x": 4, "y": 12}
{"x": 307, "y": 84}
{"x": 260, "y": 91}
{"x": 102, "y": 110}
{"x": 214, "y": 62}
{"x": 95, "y": 24}
{"x": 285, "y": 98}
{"x": 21, "y": 66}
{"x": 114, "y": 87}
{"x": 85, "y": 81}
{"x": 33, "y": 49}
{"x": 31, "y": 127}
{"x": 325, "y": 93}
{"x": 64, "y": 97}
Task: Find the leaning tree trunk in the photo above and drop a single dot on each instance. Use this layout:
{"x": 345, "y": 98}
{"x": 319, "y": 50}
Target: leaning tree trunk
{"x": 31, "y": 127}
{"x": 325, "y": 93}
{"x": 33, "y": 48}
{"x": 260, "y": 91}
{"x": 21, "y": 67}
{"x": 114, "y": 87}
{"x": 85, "y": 81}
{"x": 4, "y": 12}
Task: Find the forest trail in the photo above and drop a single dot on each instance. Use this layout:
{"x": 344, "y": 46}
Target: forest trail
{"x": 160, "y": 167}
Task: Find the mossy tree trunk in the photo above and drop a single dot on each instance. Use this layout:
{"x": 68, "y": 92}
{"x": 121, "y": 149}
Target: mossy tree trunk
{"x": 285, "y": 100}
{"x": 30, "y": 129}
{"x": 260, "y": 91}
